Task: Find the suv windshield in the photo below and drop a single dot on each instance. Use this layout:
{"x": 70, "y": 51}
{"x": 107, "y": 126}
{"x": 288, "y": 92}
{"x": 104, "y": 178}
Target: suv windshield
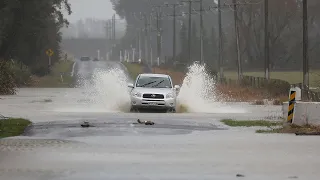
{"x": 154, "y": 82}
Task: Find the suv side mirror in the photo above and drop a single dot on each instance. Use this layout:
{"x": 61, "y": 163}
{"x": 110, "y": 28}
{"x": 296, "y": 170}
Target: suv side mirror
{"x": 130, "y": 85}
{"x": 176, "y": 87}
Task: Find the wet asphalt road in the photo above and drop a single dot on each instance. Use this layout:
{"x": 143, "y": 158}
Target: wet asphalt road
{"x": 178, "y": 146}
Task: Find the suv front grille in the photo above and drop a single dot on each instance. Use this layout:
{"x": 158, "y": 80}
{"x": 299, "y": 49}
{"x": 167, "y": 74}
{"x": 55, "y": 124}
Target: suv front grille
{"x": 153, "y": 96}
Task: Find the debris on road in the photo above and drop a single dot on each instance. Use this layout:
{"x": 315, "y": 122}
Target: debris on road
{"x": 145, "y": 122}
{"x": 293, "y": 177}
{"x": 240, "y": 175}
{"x": 86, "y": 124}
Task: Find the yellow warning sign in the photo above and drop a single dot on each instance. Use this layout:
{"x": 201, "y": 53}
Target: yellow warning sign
{"x": 49, "y": 52}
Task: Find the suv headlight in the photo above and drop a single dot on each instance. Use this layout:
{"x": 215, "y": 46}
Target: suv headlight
{"x": 136, "y": 94}
{"x": 170, "y": 95}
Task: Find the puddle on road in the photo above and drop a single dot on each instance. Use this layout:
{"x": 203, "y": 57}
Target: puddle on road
{"x": 102, "y": 129}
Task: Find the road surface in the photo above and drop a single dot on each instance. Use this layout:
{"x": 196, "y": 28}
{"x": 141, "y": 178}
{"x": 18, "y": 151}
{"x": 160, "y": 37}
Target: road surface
{"x": 179, "y": 146}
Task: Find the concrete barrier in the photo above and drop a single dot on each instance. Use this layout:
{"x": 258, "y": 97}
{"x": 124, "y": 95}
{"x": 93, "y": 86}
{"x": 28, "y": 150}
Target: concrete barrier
{"x": 305, "y": 113}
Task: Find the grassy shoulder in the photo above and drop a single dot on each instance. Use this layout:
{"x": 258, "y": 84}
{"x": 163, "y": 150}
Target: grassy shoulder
{"x": 134, "y": 69}
{"x": 60, "y": 76}
{"x": 249, "y": 123}
{"x": 13, "y": 127}
{"x": 274, "y": 127}
{"x": 292, "y": 77}
{"x": 232, "y": 92}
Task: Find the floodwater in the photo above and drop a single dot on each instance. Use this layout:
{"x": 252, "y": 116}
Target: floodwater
{"x": 192, "y": 145}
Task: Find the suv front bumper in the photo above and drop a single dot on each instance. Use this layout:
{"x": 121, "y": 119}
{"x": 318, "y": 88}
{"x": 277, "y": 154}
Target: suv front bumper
{"x": 139, "y": 102}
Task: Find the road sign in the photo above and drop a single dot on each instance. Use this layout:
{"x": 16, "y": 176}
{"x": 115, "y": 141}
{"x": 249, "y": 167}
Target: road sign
{"x": 49, "y": 52}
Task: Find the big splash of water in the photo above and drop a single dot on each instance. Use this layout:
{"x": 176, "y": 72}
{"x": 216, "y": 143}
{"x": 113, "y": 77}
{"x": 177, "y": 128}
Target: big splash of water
{"x": 197, "y": 93}
{"x": 111, "y": 88}
{"x": 103, "y": 91}
{"x": 107, "y": 91}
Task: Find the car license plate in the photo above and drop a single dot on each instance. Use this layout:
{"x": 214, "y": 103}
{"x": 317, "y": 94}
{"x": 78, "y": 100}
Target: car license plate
{"x": 152, "y": 104}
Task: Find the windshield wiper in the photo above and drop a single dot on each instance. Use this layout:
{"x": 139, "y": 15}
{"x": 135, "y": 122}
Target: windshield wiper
{"x": 143, "y": 85}
{"x": 158, "y": 83}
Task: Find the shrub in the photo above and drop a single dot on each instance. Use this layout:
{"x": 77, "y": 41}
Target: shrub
{"x": 22, "y": 74}
{"x": 7, "y": 79}
{"x": 39, "y": 71}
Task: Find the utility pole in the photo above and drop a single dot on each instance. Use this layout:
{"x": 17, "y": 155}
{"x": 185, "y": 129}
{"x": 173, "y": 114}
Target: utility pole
{"x": 189, "y": 29}
{"x": 266, "y": 40}
{"x": 189, "y": 32}
{"x": 220, "y": 61}
{"x": 110, "y": 29}
{"x": 236, "y": 27}
{"x": 189, "y": 26}
{"x": 139, "y": 44}
{"x": 159, "y": 30}
{"x": 174, "y": 33}
{"x": 305, "y": 46}
{"x": 112, "y": 34}
{"x": 114, "y": 28}
{"x": 150, "y": 40}
{"x": 201, "y": 32}
{"x": 107, "y": 30}
{"x": 107, "y": 39}
{"x": 145, "y": 38}
{"x": 174, "y": 38}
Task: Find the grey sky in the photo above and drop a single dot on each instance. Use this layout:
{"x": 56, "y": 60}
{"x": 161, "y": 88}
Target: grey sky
{"x": 99, "y": 9}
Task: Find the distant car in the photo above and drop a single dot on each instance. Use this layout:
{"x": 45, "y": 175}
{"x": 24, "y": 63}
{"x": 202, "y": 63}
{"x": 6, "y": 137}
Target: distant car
{"x": 85, "y": 58}
{"x": 95, "y": 59}
{"x": 153, "y": 91}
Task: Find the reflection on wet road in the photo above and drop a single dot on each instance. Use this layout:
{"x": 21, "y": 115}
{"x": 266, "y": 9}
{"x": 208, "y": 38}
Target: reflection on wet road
{"x": 178, "y": 146}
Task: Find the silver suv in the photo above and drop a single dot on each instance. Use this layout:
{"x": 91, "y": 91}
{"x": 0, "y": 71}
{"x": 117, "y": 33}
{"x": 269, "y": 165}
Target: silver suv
{"x": 153, "y": 91}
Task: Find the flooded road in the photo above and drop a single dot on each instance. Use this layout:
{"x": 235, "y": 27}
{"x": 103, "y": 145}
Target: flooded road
{"x": 178, "y": 146}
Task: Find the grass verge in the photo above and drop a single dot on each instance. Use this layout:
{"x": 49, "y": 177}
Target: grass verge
{"x": 13, "y": 127}
{"x": 292, "y": 77}
{"x": 275, "y": 127}
{"x": 253, "y": 123}
{"x": 177, "y": 77}
{"x": 133, "y": 69}
{"x": 54, "y": 80}
{"x": 233, "y": 93}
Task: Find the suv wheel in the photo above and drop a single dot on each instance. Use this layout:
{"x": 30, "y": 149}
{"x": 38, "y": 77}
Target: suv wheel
{"x": 171, "y": 110}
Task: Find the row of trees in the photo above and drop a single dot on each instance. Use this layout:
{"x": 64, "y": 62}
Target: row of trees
{"x": 89, "y": 28}
{"x": 285, "y": 30}
{"x": 29, "y": 28}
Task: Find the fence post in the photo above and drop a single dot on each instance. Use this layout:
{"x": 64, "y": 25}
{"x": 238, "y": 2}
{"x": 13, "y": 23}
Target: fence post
{"x": 292, "y": 101}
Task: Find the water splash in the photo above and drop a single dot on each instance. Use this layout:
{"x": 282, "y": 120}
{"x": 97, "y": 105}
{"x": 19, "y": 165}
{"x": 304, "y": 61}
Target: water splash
{"x": 198, "y": 90}
{"x": 110, "y": 90}
{"x": 105, "y": 90}
{"x": 198, "y": 93}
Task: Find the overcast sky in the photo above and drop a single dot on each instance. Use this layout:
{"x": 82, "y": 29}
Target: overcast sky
{"x": 81, "y": 9}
